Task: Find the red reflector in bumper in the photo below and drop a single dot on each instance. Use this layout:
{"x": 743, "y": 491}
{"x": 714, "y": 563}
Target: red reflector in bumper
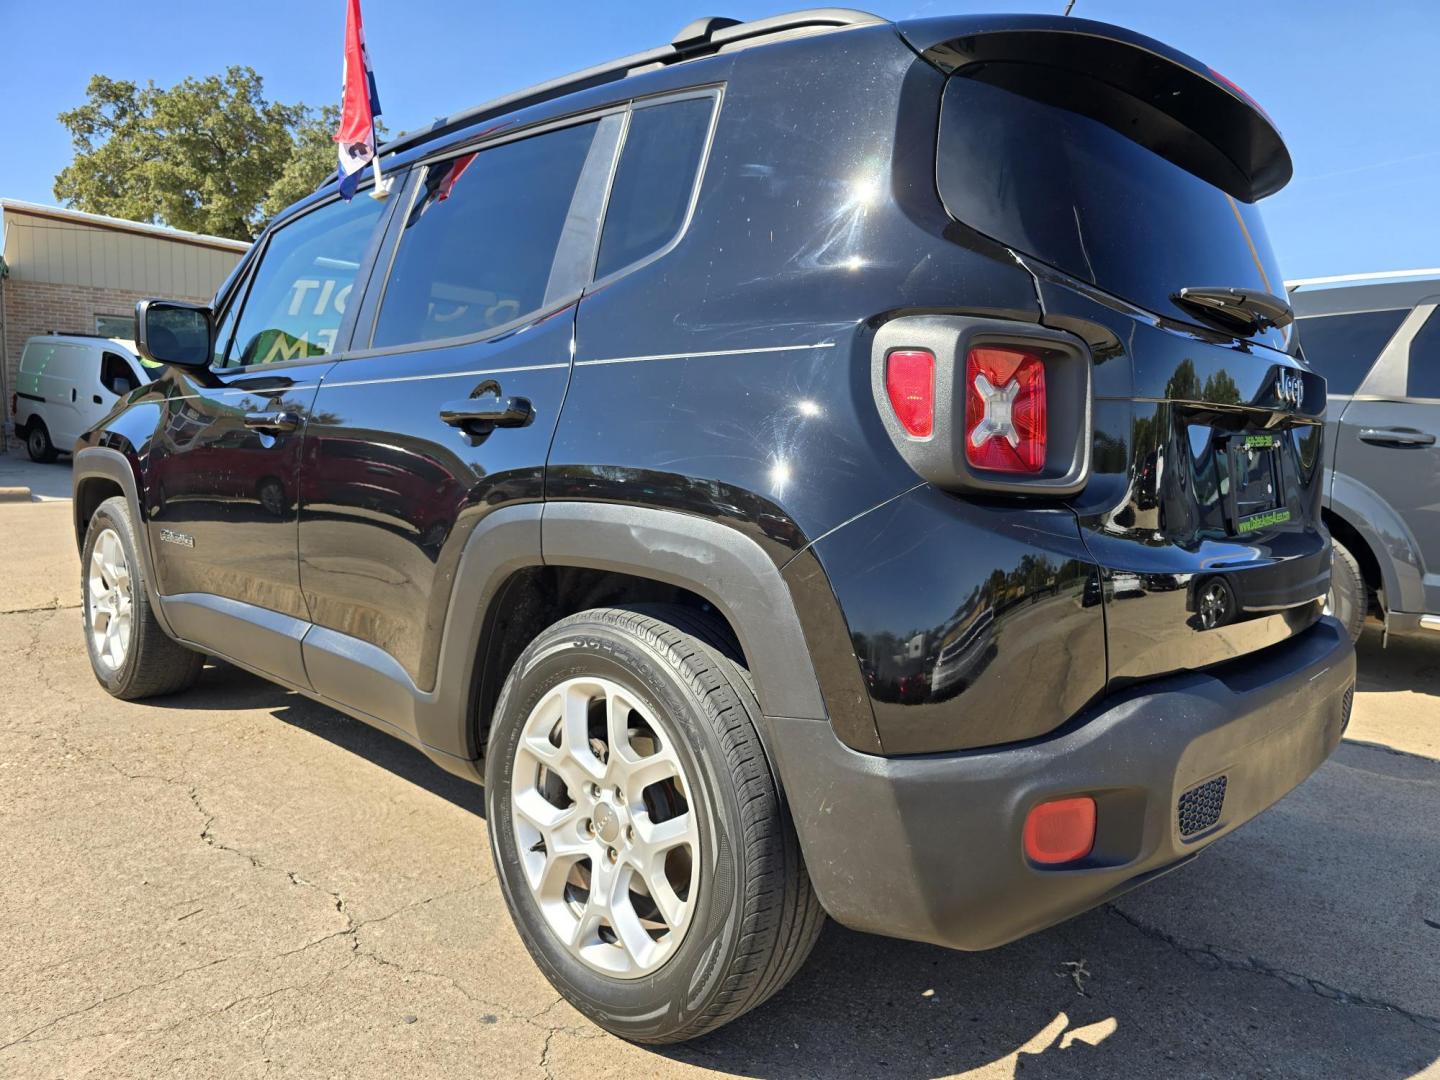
{"x": 1060, "y": 831}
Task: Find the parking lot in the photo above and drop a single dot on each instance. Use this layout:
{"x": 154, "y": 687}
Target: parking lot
{"x": 239, "y": 882}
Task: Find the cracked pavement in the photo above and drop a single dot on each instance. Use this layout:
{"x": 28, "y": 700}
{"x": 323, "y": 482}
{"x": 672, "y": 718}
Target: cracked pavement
{"x": 240, "y": 882}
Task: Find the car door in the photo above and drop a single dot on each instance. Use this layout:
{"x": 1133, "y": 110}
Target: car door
{"x": 111, "y": 377}
{"x": 1389, "y": 437}
{"x": 64, "y": 381}
{"x": 223, "y": 465}
{"x": 447, "y": 416}
{"x": 1344, "y": 346}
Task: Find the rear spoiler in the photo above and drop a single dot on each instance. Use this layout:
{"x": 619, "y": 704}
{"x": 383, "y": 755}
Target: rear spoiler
{"x": 1162, "y": 98}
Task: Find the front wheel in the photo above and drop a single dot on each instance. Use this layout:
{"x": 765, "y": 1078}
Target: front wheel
{"x": 131, "y": 655}
{"x": 639, "y": 836}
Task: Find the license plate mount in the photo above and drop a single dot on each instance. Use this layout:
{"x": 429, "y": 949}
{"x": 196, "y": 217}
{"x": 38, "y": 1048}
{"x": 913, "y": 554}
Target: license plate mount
{"x": 1257, "y": 496}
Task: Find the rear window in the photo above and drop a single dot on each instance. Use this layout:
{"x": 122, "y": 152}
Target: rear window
{"x": 1074, "y": 192}
{"x": 1423, "y": 380}
{"x": 654, "y": 181}
{"x": 1344, "y": 348}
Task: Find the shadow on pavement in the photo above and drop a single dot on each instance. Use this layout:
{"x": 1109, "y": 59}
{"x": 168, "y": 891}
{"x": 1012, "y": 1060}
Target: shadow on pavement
{"x": 1195, "y": 975}
{"x": 222, "y": 686}
{"x": 1407, "y": 663}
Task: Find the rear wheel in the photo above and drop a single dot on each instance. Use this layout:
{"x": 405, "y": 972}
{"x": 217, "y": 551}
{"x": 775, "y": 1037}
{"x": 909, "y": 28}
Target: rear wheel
{"x": 37, "y": 442}
{"x": 1349, "y": 598}
{"x": 132, "y": 657}
{"x": 639, "y": 836}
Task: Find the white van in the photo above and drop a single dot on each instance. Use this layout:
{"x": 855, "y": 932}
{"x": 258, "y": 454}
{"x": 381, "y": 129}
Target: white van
{"x": 67, "y": 384}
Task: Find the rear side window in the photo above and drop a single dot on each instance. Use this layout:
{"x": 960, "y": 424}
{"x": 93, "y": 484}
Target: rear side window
{"x": 651, "y": 195}
{"x": 1423, "y": 380}
{"x": 1344, "y": 348}
{"x": 299, "y": 292}
{"x": 1076, "y": 193}
{"x": 480, "y": 241}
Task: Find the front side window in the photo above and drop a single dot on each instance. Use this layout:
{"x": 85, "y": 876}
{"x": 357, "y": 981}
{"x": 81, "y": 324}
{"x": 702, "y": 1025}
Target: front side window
{"x": 299, "y": 292}
{"x": 116, "y": 375}
{"x": 1344, "y": 348}
{"x": 479, "y": 243}
{"x": 654, "y": 181}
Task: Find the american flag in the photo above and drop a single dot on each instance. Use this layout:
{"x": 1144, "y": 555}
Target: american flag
{"x": 360, "y": 105}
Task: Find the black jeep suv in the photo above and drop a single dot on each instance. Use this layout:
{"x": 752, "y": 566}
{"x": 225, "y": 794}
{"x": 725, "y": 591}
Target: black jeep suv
{"x": 820, "y": 465}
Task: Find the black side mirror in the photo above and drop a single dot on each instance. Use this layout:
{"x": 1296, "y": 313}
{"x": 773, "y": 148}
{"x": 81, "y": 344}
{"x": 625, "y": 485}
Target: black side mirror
{"x": 173, "y": 332}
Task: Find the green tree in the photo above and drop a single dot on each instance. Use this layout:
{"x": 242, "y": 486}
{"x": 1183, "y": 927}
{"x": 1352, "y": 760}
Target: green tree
{"x": 209, "y": 155}
{"x": 312, "y": 159}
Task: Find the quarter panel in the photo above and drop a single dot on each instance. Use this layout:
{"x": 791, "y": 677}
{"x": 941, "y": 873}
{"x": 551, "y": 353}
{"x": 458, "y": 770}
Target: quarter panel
{"x": 974, "y": 623}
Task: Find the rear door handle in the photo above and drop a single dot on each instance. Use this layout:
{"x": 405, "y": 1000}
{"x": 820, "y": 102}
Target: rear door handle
{"x": 478, "y": 415}
{"x": 1396, "y": 437}
{"x": 272, "y": 421}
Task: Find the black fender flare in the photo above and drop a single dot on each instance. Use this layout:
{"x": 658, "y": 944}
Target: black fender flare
{"x": 109, "y": 464}
{"x": 727, "y": 568}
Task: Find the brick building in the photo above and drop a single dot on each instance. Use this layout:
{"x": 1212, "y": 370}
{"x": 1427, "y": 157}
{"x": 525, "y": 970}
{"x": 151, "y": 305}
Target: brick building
{"x": 82, "y": 273}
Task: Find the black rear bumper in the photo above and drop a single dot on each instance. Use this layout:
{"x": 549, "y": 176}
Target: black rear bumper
{"x": 929, "y": 847}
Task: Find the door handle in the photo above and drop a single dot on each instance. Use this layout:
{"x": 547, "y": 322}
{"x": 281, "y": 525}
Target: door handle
{"x": 97, "y": 399}
{"x": 479, "y": 415}
{"x": 1396, "y": 437}
{"x": 272, "y": 421}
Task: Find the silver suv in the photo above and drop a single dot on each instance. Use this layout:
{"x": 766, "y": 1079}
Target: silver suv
{"x": 1376, "y": 339}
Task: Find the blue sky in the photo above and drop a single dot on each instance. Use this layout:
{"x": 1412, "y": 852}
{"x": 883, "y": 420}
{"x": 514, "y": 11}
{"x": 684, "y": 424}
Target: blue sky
{"x": 1355, "y": 87}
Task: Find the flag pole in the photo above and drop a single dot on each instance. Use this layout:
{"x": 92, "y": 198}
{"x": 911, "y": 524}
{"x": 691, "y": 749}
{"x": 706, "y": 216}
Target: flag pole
{"x": 382, "y": 183}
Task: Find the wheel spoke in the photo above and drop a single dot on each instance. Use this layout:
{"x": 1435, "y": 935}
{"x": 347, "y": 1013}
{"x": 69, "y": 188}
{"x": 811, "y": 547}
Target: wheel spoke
{"x": 617, "y": 727}
{"x": 540, "y": 811}
{"x": 647, "y": 771}
{"x": 661, "y": 836}
{"x": 576, "y": 731}
{"x": 628, "y": 929}
{"x": 672, "y": 908}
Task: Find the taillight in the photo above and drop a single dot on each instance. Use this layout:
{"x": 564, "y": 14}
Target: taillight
{"x": 985, "y": 406}
{"x": 1005, "y": 424}
{"x": 910, "y": 384}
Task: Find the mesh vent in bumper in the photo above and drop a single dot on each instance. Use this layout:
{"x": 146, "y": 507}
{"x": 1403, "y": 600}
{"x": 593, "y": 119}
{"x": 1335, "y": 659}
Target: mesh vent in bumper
{"x": 1200, "y": 807}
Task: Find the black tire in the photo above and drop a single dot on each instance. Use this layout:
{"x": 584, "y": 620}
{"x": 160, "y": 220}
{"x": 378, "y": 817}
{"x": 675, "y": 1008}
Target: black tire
{"x": 1349, "y": 598}
{"x": 37, "y": 442}
{"x": 154, "y": 663}
{"x": 756, "y": 916}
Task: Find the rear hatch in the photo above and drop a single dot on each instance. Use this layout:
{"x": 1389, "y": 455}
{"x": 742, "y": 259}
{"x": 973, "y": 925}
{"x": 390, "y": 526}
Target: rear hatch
{"x": 1125, "y": 176}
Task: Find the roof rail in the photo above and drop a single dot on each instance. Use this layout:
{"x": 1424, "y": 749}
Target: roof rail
{"x": 1368, "y": 279}
{"x": 703, "y": 37}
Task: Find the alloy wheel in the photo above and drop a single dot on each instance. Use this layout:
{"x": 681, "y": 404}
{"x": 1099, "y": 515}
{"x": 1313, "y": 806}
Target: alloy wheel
{"x": 109, "y": 600}
{"x": 606, "y": 828}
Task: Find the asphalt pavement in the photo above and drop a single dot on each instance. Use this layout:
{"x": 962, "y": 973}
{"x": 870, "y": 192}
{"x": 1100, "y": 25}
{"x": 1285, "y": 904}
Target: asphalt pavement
{"x": 240, "y": 882}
